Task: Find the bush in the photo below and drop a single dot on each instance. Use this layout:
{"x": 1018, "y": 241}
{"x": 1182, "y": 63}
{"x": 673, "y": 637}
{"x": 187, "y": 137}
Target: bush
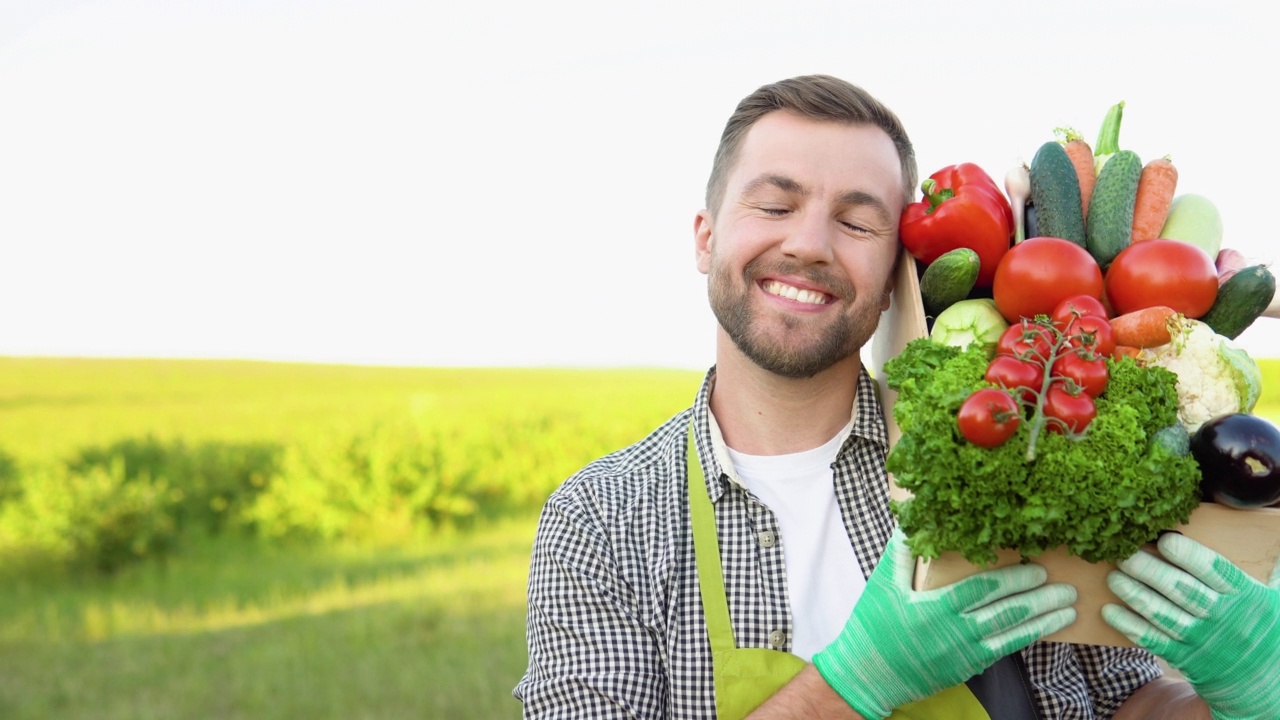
{"x": 383, "y": 484}
{"x": 95, "y": 519}
{"x": 210, "y": 483}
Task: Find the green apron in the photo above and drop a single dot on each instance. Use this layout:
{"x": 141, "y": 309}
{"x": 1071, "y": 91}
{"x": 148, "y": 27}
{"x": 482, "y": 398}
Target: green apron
{"x": 746, "y": 677}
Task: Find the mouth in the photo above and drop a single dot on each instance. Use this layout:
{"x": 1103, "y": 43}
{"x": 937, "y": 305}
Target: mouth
{"x": 800, "y": 295}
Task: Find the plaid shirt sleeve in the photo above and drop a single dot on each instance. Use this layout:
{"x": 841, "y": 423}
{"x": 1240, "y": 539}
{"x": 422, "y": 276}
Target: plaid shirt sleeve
{"x": 590, "y": 652}
{"x": 1086, "y": 682}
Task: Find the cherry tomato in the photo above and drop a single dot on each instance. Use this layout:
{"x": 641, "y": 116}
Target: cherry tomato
{"x": 1075, "y": 410}
{"x": 1077, "y": 306}
{"x": 1087, "y": 370}
{"x": 1012, "y": 373}
{"x": 1092, "y": 333}
{"x": 1039, "y": 273}
{"x": 1026, "y": 341}
{"x": 989, "y": 417}
{"x": 1162, "y": 272}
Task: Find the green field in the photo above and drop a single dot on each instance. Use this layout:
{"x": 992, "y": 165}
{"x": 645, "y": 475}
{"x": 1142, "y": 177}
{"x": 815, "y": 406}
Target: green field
{"x": 332, "y": 542}
{"x": 201, "y": 539}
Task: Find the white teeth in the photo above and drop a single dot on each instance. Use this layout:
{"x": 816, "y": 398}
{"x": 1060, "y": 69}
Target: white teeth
{"x": 810, "y": 297}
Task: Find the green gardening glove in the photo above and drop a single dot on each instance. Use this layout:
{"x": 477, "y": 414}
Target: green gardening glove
{"x": 901, "y": 645}
{"x": 1206, "y": 617}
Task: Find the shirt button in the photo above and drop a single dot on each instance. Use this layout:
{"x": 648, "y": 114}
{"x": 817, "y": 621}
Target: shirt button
{"x": 778, "y": 639}
{"x": 766, "y": 538}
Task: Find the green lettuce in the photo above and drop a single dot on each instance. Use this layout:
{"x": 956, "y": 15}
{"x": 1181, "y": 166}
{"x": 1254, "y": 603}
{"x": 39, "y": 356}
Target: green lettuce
{"x": 1102, "y": 496}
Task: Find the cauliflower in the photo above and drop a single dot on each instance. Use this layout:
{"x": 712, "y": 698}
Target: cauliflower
{"x": 1215, "y": 376}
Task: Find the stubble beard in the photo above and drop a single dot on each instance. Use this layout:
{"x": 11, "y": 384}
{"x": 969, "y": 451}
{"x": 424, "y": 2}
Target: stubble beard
{"x": 796, "y": 354}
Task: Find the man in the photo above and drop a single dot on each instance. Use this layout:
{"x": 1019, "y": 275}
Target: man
{"x": 742, "y": 559}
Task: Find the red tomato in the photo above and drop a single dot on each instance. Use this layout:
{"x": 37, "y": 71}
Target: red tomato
{"x": 1026, "y": 341}
{"x": 1162, "y": 272}
{"x": 1077, "y": 306}
{"x": 1075, "y": 410}
{"x": 989, "y": 417}
{"x": 1011, "y": 373}
{"x": 1037, "y": 274}
{"x": 1088, "y": 372}
{"x": 1092, "y": 333}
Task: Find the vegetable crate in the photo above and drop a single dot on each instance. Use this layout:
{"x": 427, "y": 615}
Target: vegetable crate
{"x": 1249, "y": 538}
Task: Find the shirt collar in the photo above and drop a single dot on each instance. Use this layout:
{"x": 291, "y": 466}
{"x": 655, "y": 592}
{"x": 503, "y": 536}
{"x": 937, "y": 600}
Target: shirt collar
{"x": 867, "y": 423}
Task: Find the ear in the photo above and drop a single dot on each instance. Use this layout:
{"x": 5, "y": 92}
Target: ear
{"x": 702, "y": 241}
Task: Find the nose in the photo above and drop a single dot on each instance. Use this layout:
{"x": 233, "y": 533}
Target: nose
{"x": 811, "y": 239}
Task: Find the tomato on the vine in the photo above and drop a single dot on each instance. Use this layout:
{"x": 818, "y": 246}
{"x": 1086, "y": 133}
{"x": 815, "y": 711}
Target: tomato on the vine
{"x": 1092, "y": 333}
{"x": 1013, "y": 374}
{"x": 1038, "y": 273}
{"x": 1087, "y": 370}
{"x": 1026, "y": 340}
{"x": 1077, "y": 306}
{"x": 988, "y": 417}
{"x": 1073, "y": 410}
{"x": 1162, "y": 272}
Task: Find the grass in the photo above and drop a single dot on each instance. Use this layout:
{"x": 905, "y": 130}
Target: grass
{"x": 234, "y": 627}
{"x": 240, "y": 631}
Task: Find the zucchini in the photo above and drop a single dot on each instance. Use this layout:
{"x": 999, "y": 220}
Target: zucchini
{"x": 1055, "y": 191}
{"x": 1109, "y": 227}
{"x": 948, "y": 279}
{"x": 1241, "y": 300}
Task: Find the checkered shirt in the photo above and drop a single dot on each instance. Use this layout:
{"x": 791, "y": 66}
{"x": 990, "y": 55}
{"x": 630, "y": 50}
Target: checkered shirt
{"x": 615, "y": 624}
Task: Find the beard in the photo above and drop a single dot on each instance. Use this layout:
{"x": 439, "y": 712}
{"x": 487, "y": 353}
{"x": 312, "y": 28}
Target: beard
{"x": 803, "y": 348}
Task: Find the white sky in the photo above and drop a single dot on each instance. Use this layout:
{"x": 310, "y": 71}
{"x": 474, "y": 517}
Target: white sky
{"x": 514, "y": 183}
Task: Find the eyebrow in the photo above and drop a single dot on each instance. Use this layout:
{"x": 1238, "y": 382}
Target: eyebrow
{"x": 782, "y": 182}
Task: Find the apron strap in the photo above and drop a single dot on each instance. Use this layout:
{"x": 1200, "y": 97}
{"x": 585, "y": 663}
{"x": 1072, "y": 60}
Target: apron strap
{"x": 715, "y": 603}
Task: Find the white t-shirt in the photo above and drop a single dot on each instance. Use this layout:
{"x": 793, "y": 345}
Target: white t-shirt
{"x": 824, "y": 579}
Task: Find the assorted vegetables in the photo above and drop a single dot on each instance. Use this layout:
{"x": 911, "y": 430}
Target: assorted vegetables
{"x": 1101, "y": 493}
{"x": 1081, "y": 388}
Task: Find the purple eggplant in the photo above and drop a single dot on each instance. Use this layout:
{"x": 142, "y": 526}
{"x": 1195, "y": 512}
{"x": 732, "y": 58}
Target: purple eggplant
{"x": 1239, "y": 458}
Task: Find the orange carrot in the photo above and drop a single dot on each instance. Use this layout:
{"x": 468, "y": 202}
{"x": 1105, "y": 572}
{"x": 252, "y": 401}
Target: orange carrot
{"x": 1082, "y": 157}
{"x": 1156, "y": 186}
{"x": 1125, "y": 351}
{"x": 1145, "y": 328}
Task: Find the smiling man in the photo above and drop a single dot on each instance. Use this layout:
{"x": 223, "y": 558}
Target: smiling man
{"x": 742, "y": 559}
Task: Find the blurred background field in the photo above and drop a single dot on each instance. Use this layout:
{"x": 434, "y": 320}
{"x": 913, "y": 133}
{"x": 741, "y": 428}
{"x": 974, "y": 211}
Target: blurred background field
{"x": 201, "y": 539}
{"x": 216, "y": 539}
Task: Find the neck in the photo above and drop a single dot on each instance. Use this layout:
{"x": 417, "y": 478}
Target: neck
{"x": 760, "y": 413}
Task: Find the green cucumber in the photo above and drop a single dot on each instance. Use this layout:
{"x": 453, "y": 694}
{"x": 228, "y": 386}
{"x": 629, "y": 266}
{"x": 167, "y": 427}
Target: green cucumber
{"x": 1055, "y": 191}
{"x": 1241, "y": 300}
{"x": 948, "y": 279}
{"x": 1109, "y": 226}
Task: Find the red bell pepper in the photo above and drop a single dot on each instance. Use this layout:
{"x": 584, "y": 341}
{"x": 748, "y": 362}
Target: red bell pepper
{"x": 962, "y": 207}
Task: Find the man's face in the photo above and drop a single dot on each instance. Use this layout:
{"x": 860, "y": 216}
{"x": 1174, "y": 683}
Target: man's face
{"x": 800, "y": 254}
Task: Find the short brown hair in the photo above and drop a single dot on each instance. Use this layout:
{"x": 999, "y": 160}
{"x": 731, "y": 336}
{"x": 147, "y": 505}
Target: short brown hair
{"x": 820, "y": 97}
